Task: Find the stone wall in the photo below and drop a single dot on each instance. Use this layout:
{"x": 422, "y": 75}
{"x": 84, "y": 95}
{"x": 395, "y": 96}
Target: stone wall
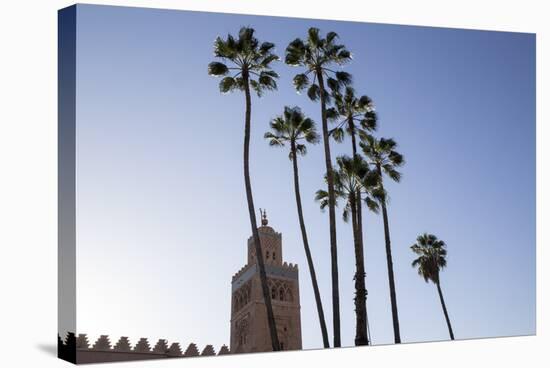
{"x": 103, "y": 350}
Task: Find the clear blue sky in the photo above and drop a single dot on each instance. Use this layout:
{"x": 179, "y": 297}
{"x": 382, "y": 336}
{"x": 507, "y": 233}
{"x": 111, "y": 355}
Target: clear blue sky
{"x": 162, "y": 221}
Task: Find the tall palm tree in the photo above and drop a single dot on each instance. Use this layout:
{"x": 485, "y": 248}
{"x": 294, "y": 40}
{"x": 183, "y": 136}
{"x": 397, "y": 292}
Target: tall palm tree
{"x": 295, "y": 129}
{"x": 353, "y": 116}
{"x": 382, "y": 155}
{"x": 318, "y": 55}
{"x": 431, "y": 260}
{"x": 250, "y": 68}
{"x": 353, "y": 176}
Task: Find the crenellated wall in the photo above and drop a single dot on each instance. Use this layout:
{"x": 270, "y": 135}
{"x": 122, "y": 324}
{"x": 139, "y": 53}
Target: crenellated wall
{"x": 102, "y": 350}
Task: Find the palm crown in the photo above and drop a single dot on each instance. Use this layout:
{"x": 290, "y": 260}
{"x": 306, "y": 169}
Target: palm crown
{"x": 431, "y": 256}
{"x": 357, "y": 114}
{"x": 249, "y": 62}
{"x": 318, "y": 55}
{"x": 292, "y": 127}
{"x": 352, "y": 176}
{"x": 382, "y": 154}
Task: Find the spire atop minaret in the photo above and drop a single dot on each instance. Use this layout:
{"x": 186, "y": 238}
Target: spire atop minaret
{"x": 264, "y": 217}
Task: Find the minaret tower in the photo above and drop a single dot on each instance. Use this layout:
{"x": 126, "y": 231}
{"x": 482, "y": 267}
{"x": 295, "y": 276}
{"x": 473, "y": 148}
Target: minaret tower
{"x": 249, "y": 328}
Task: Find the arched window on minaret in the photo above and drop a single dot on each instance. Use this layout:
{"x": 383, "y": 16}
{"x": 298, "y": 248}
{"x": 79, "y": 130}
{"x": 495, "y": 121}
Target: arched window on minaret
{"x": 288, "y": 295}
{"x": 281, "y": 294}
{"x": 273, "y": 293}
{"x": 267, "y": 255}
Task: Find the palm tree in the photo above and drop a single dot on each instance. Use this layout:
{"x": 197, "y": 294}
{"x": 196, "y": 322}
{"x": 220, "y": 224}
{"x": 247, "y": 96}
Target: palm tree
{"x": 295, "y": 129}
{"x": 431, "y": 260}
{"x": 382, "y": 155}
{"x": 353, "y": 115}
{"x": 318, "y": 55}
{"x": 250, "y": 68}
{"x": 353, "y": 176}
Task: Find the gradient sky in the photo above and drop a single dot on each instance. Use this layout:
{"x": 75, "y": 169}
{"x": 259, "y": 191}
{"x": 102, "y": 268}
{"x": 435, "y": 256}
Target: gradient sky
{"x": 162, "y": 222}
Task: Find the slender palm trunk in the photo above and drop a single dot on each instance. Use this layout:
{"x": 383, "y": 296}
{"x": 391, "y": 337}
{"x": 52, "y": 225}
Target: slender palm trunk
{"x": 389, "y": 261}
{"x": 361, "y": 337}
{"x": 320, "y": 312}
{"x": 351, "y": 126}
{"x": 252, "y": 214}
{"x": 358, "y": 194}
{"x": 332, "y": 216}
{"x": 360, "y": 237}
{"x": 359, "y": 206}
{"x": 445, "y": 310}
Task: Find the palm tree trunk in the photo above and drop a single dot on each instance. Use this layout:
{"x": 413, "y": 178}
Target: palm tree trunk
{"x": 361, "y": 337}
{"x": 351, "y": 126}
{"x": 358, "y": 194}
{"x": 252, "y": 214}
{"x": 320, "y": 312}
{"x": 359, "y": 205}
{"x": 445, "y": 311}
{"x": 389, "y": 261}
{"x": 332, "y": 217}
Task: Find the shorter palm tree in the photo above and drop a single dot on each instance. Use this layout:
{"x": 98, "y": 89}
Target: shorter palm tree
{"x": 355, "y": 116}
{"x": 431, "y": 260}
{"x": 382, "y": 155}
{"x": 352, "y": 178}
{"x": 294, "y": 128}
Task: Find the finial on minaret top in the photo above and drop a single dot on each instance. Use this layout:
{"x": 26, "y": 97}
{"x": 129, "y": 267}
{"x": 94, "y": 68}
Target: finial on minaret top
{"x": 264, "y": 217}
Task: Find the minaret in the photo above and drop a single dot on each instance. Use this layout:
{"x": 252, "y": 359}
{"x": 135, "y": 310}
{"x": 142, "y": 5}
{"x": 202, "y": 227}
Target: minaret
{"x": 249, "y": 328}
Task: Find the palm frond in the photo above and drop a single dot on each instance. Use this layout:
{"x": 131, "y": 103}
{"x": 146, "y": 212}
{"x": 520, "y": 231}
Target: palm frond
{"x": 301, "y": 149}
{"x": 331, "y": 114}
{"x": 266, "y": 47}
{"x": 343, "y": 78}
{"x": 313, "y": 38}
{"x": 331, "y": 36}
{"x": 333, "y": 84}
{"x": 267, "y": 82}
{"x": 345, "y": 213}
{"x": 313, "y": 92}
{"x": 321, "y": 196}
{"x": 337, "y": 134}
{"x": 227, "y": 84}
{"x": 274, "y": 139}
{"x": 369, "y": 121}
{"x": 391, "y": 172}
{"x": 217, "y": 69}
{"x": 396, "y": 158}
{"x": 372, "y": 205}
{"x": 364, "y": 102}
{"x": 295, "y": 52}
{"x": 343, "y": 56}
{"x": 225, "y": 49}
